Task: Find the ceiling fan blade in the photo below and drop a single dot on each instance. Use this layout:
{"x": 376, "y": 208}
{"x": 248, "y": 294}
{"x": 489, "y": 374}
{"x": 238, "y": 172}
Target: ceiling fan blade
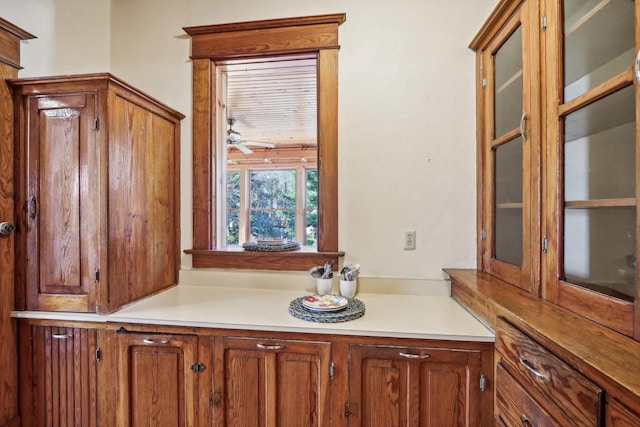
{"x": 241, "y": 147}
{"x": 260, "y": 144}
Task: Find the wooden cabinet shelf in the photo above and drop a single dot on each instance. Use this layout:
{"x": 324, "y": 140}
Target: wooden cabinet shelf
{"x": 600, "y": 203}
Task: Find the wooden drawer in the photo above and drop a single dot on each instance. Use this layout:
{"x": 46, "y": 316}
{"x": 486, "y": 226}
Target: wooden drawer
{"x": 515, "y": 407}
{"x": 619, "y": 416}
{"x": 541, "y": 372}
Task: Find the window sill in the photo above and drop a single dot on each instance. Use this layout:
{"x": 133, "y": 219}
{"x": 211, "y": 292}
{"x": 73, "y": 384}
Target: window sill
{"x": 298, "y": 260}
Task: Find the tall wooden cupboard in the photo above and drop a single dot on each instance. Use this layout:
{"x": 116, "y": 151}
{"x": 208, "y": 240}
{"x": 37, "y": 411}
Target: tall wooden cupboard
{"x": 97, "y": 172}
{"x": 10, "y": 40}
{"x": 558, "y": 158}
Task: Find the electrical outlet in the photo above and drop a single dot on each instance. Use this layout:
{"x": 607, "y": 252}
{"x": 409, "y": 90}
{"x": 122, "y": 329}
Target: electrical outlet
{"x": 409, "y": 240}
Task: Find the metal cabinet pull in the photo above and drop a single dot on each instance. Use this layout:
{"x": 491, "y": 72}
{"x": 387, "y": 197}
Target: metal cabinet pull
{"x": 525, "y": 421}
{"x": 270, "y": 347}
{"x": 532, "y": 370}
{"x": 413, "y": 356}
{"x": 61, "y": 336}
{"x": 148, "y": 341}
{"x": 522, "y": 130}
{"x": 6, "y": 228}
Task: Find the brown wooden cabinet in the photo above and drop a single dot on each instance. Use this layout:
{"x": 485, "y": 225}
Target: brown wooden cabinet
{"x": 58, "y": 376}
{"x": 400, "y": 386}
{"x": 10, "y": 41}
{"x": 268, "y": 382}
{"x": 97, "y": 177}
{"x": 620, "y": 416}
{"x": 156, "y": 379}
{"x": 535, "y": 386}
{"x": 557, "y": 152}
{"x": 86, "y": 373}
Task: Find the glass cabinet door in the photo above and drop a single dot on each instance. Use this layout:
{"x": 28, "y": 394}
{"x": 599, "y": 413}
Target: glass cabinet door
{"x": 507, "y": 153}
{"x": 592, "y": 143}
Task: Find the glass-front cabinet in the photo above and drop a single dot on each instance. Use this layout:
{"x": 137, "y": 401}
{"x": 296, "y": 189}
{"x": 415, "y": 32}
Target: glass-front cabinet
{"x": 508, "y": 154}
{"x": 558, "y": 157}
{"x": 591, "y": 220}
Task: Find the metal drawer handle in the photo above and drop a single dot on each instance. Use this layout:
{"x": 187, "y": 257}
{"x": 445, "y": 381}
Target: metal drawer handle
{"x": 529, "y": 367}
{"x": 413, "y": 356}
{"x": 525, "y": 421}
{"x": 61, "y": 336}
{"x": 270, "y": 347}
{"x": 148, "y": 341}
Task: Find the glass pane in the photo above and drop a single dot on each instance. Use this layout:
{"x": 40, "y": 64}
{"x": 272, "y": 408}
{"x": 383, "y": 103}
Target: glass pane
{"x": 273, "y": 224}
{"x": 273, "y": 189}
{"x": 508, "y": 202}
{"x": 233, "y": 227}
{"x": 312, "y": 208}
{"x": 600, "y": 248}
{"x": 273, "y": 203}
{"x": 508, "y": 238}
{"x": 599, "y": 42}
{"x": 600, "y": 149}
{"x": 508, "y": 84}
{"x": 233, "y": 190}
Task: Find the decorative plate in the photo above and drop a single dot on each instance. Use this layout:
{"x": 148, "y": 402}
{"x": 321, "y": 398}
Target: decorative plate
{"x": 324, "y": 302}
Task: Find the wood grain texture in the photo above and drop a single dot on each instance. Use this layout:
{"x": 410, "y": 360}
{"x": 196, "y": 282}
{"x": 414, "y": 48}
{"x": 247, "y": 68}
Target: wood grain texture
{"x": 514, "y": 404}
{"x": 620, "y": 416}
{"x": 204, "y": 164}
{"x": 558, "y": 384}
{"x": 98, "y": 192}
{"x": 214, "y": 44}
{"x": 604, "y": 356}
{"x": 60, "y": 366}
{"x": 267, "y": 382}
{"x": 157, "y": 386}
{"x": 10, "y": 37}
{"x": 437, "y": 388}
{"x": 275, "y": 36}
{"x": 298, "y": 370}
{"x": 291, "y": 260}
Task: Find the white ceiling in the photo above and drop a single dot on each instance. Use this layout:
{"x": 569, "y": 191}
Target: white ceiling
{"x": 274, "y": 100}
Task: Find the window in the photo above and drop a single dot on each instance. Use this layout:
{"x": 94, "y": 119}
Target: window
{"x": 271, "y": 203}
{"x": 216, "y": 47}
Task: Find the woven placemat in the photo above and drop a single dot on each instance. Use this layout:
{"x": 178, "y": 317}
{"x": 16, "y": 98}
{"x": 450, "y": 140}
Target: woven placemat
{"x": 354, "y": 310}
{"x": 254, "y": 246}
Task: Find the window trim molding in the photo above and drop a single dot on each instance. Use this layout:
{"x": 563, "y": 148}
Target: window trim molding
{"x": 215, "y": 43}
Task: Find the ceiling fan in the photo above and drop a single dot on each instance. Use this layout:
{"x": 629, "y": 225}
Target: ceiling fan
{"x": 234, "y": 139}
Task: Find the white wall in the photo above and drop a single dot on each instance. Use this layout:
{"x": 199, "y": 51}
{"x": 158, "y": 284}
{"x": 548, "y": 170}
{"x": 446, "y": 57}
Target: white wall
{"x": 406, "y": 107}
{"x": 73, "y": 36}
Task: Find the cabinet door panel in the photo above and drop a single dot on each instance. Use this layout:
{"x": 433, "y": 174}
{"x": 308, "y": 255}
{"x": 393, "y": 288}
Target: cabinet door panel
{"x": 58, "y": 370}
{"x": 62, "y": 207}
{"x": 395, "y": 386}
{"x": 591, "y": 216}
{"x": 157, "y": 385}
{"x": 508, "y": 149}
{"x": 271, "y": 382}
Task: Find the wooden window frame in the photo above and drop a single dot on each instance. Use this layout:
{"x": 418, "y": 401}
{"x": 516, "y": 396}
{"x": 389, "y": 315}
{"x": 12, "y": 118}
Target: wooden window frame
{"x": 214, "y": 44}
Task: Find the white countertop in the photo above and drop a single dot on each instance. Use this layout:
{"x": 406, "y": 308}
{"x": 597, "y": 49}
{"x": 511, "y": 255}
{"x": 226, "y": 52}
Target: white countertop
{"x": 386, "y": 315}
{"x": 402, "y": 316}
